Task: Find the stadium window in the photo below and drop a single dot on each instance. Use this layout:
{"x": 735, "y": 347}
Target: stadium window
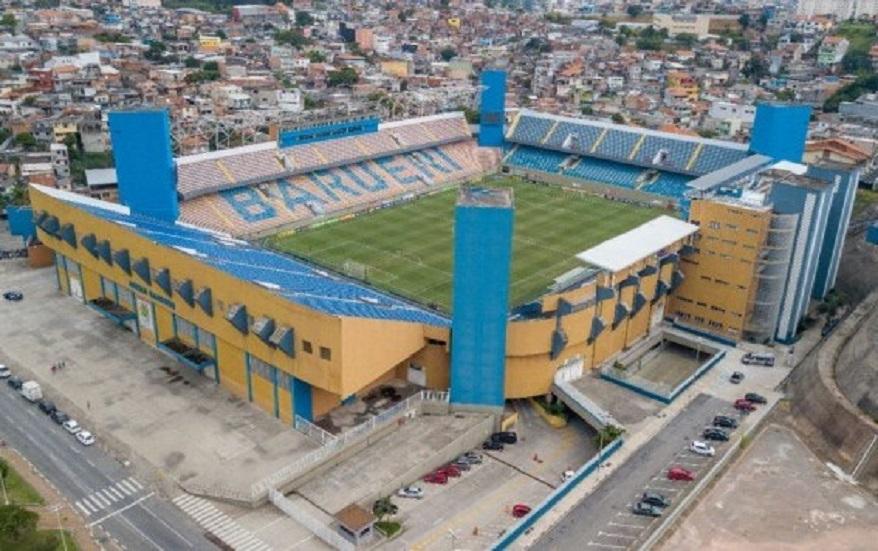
{"x": 437, "y": 342}
{"x": 732, "y": 227}
{"x": 703, "y": 305}
{"x": 713, "y": 225}
{"x": 721, "y": 282}
{"x": 325, "y": 353}
{"x": 699, "y": 319}
{"x": 306, "y": 346}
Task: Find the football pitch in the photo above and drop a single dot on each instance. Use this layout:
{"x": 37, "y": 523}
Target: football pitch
{"x": 408, "y": 249}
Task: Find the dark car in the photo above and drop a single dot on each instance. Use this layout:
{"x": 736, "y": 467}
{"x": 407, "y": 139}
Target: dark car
{"x": 14, "y": 296}
{"x": 46, "y": 406}
{"x": 492, "y": 445}
{"x": 507, "y": 437}
{"x": 754, "y": 398}
{"x": 736, "y": 377}
{"x": 59, "y": 417}
{"x": 725, "y": 421}
{"x": 655, "y": 499}
{"x": 14, "y": 382}
{"x": 744, "y": 406}
{"x": 461, "y": 464}
{"x": 715, "y": 434}
{"x": 645, "y": 509}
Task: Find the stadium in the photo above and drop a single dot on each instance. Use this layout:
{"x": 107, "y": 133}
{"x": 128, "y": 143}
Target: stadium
{"x": 304, "y": 272}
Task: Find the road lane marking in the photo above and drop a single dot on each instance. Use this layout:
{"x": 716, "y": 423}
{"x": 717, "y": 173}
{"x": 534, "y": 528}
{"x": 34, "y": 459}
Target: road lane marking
{"x": 122, "y": 510}
{"x": 82, "y": 508}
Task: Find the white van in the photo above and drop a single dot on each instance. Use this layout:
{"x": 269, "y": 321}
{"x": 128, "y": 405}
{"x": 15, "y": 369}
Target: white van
{"x": 32, "y": 391}
{"x": 758, "y": 358}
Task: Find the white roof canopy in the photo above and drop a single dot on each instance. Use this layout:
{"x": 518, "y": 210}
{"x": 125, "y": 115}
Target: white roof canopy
{"x": 632, "y": 246}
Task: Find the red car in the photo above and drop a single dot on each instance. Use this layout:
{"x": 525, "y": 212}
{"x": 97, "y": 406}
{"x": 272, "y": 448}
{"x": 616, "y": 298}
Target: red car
{"x": 679, "y": 473}
{"x": 744, "y": 405}
{"x": 450, "y": 471}
{"x": 436, "y": 477}
{"x": 519, "y": 510}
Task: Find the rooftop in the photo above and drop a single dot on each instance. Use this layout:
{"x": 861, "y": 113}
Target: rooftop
{"x": 628, "y": 248}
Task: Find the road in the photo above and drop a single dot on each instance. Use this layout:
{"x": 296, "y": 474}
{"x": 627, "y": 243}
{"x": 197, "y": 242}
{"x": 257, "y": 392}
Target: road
{"x": 101, "y": 490}
{"x": 586, "y": 521}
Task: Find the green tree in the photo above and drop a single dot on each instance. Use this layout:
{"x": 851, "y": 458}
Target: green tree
{"x": 744, "y": 21}
{"x": 618, "y": 118}
{"x": 346, "y": 76}
{"x": 4, "y": 133}
{"x": 25, "y": 140}
{"x": 304, "y": 19}
{"x": 756, "y": 68}
{"x": 16, "y": 522}
{"x": 156, "y": 50}
{"x": 221, "y": 34}
{"x": 384, "y": 507}
{"x": 8, "y": 22}
{"x": 686, "y": 40}
{"x": 447, "y": 54}
{"x": 856, "y": 61}
{"x": 292, "y": 37}
{"x": 316, "y": 56}
{"x": 191, "y": 63}
{"x": 634, "y": 11}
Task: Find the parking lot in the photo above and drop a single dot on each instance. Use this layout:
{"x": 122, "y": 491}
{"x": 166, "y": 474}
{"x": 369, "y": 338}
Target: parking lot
{"x": 779, "y": 495}
{"x": 470, "y": 512}
{"x": 604, "y": 520}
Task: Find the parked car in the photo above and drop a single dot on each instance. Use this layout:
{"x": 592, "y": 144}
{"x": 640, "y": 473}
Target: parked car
{"x": 14, "y": 383}
{"x": 829, "y": 326}
{"x": 754, "y": 398}
{"x": 736, "y": 377}
{"x": 702, "y": 448}
{"x": 492, "y": 445}
{"x": 567, "y": 475}
{"x": 71, "y": 426}
{"x": 4, "y": 372}
{"x": 645, "y": 509}
{"x": 14, "y": 296}
{"x": 59, "y": 417}
{"x": 436, "y": 478}
{"x": 758, "y": 358}
{"x": 744, "y": 405}
{"x": 725, "y": 421}
{"x": 451, "y": 471}
{"x": 679, "y": 473}
{"x": 412, "y": 492}
{"x": 85, "y": 438}
{"x": 46, "y": 406}
{"x": 462, "y": 465}
{"x": 713, "y": 433}
{"x": 655, "y": 499}
{"x": 520, "y": 509}
{"x": 471, "y": 458}
{"x": 507, "y": 437}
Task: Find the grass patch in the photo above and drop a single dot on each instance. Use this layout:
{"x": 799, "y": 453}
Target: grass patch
{"x": 865, "y": 199}
{"x": 408, "y": 249}
{"x": 41, "y": 540}
{"x": 388, "y": 528}
{"x": 19, "y": 491}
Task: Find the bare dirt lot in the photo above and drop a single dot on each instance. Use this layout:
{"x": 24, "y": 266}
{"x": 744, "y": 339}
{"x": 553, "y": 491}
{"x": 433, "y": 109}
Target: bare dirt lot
{"x": 779, "y": 496}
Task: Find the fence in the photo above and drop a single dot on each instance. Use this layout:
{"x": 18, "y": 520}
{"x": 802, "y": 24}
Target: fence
{"x": 315, "y": 526}
{"x": 312, "y": 431}
{"x": 523, "y": 525}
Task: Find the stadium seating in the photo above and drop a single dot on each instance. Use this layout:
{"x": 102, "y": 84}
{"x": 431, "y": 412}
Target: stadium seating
{"x": 583, "y": 137}
{"x": 352, "y": 187}
{"x": 618, "y": 144}
{"x": 531, "y": 158}
{"x": 714, "y": 157}
{"x": 608, "y": 172}
{"x": 531, "y": 130}
{"x": 676, "y": 152}
{"x": 670, "y": 185}
{"x": 210, "y": 173}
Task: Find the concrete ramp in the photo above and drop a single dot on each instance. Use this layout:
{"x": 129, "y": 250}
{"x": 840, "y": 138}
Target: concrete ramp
{"x": 583, "y": 406}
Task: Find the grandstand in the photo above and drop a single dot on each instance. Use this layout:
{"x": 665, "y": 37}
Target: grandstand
{"x": 256, "y": 189}
{"x": 657, "y": 163}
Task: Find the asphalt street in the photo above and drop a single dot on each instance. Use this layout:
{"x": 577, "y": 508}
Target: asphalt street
{"x": 584, "y": 524}
{"x": 101, "y": 489}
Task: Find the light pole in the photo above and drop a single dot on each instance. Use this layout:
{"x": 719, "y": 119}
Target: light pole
{"x": 57, "y": 510}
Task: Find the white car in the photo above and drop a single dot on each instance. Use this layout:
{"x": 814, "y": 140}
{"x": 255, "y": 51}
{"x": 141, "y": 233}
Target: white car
{"x": 702, "y": 448}
{"x": 4, "y": 372}
{"x": 411, "y": 491}
{"x": 567, "y": 475}
{"x": 85, "y": 438}
{"x": 71, "y": 426}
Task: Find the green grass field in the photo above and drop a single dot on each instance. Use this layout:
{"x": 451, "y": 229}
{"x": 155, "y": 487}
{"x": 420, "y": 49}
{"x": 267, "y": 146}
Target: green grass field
{"x": 408, "y": 249}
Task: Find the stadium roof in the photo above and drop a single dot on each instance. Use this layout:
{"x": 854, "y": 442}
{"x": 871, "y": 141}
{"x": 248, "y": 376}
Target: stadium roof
{"x": 744, "y": 167}
{"x": 294, "y": 280}
{"x": 633, "y": 246}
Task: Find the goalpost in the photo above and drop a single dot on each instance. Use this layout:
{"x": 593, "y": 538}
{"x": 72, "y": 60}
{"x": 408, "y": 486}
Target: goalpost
{"x": 355, "y": 269}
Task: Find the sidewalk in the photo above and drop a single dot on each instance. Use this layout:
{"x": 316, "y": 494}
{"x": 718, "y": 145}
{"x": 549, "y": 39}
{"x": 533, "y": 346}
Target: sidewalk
{"x": 71, "y": 521}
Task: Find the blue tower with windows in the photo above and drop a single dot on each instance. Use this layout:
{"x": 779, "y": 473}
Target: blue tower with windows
{"x": 483, "y": 223}
{"x": 144, "y": 162}
{"x": 492, "y": 115}
{"x": 780, "y": 130}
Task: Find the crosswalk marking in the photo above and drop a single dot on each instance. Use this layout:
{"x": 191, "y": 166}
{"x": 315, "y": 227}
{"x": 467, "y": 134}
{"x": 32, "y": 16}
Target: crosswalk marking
{"x": 107, "y": 497}
{"x": 219, "y": 524}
